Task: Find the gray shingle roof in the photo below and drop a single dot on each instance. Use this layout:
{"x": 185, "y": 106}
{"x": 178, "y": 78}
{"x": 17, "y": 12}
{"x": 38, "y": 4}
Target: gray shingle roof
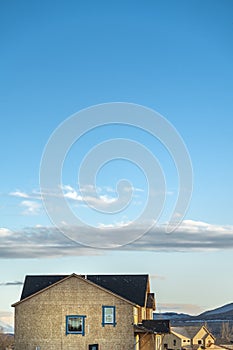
{"x": 154, "y": 326}
{"x": 130, "y": 287}
{"x": 187, "y": 331}
{"x": 33, "y": 284}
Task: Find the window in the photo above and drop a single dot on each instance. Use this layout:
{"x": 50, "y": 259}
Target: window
{"x": 165, "y": 346}
{"x": 135, "y": 315}
{"x": 199, "y": 342}
{"x": 75, "y": 324}
{"x": 108, "y": 315}
{"x": 174, "y": 342}
{"x": 93, "y": 347}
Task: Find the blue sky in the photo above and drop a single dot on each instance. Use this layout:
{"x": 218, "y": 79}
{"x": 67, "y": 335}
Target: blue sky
{"x": 174, "y": 57}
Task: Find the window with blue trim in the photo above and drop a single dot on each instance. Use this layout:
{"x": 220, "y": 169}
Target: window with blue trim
{"x": 108, "y": 315}
{"x": 75, "y": 324}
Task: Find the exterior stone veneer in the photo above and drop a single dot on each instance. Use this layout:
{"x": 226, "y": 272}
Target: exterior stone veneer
{"x": 40, "y": 320}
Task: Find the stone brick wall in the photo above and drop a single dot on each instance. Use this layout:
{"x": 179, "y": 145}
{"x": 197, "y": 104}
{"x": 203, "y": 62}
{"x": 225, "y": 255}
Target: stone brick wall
{"x": 41, "y": 320}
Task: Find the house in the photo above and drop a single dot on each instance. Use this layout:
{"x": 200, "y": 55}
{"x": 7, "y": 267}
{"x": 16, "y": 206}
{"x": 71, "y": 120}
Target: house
{"x": 188, "y": 337}
{"x": 93, "y": 312}
{"x": 149, "y": 334}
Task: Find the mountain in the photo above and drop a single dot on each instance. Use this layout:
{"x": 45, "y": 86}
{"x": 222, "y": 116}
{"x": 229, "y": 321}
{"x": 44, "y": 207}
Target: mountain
{"x": 171, "y": 316}
{"x": 223, "y": 313}
{"x": 6, "y": 328}
{"x": 214, "y": 319}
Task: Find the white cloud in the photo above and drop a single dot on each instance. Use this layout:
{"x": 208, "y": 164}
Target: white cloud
{"x": 106, "y": 199}
{"x": 95, "y": 195}
{"x": 19, "y": 194}
{"x": 4, "y": 232}
{"x": 114, "y": 225}
{"x": 42, "y": 241}
{"x": 31, "y": 207}
{"x": 73, "y": 195}
{"x": 133, "y": 189}
{"x": 88, "y": 195}
{"x": 192, "y": 226}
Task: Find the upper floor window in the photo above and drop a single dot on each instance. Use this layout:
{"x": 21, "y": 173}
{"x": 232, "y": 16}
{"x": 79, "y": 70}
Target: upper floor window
{"x": 75, "y": 324}
{"x": 108, "y": 315}
{"x": 174, "y": 342}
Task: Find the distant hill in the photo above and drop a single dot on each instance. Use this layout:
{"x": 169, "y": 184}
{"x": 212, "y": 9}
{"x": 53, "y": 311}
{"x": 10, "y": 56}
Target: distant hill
{"x": 223, "y": 313}
{"x": 171, "y": 316}
{"x": 213, "y": 318}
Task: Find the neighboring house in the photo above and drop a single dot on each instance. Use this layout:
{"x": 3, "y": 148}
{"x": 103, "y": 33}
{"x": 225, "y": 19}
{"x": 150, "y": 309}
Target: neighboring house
{"x": 93, "y": 312}
{"x": 203, "y": 337}
{"x": 188, "y": 337}
{"x": 150, "y": 333}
